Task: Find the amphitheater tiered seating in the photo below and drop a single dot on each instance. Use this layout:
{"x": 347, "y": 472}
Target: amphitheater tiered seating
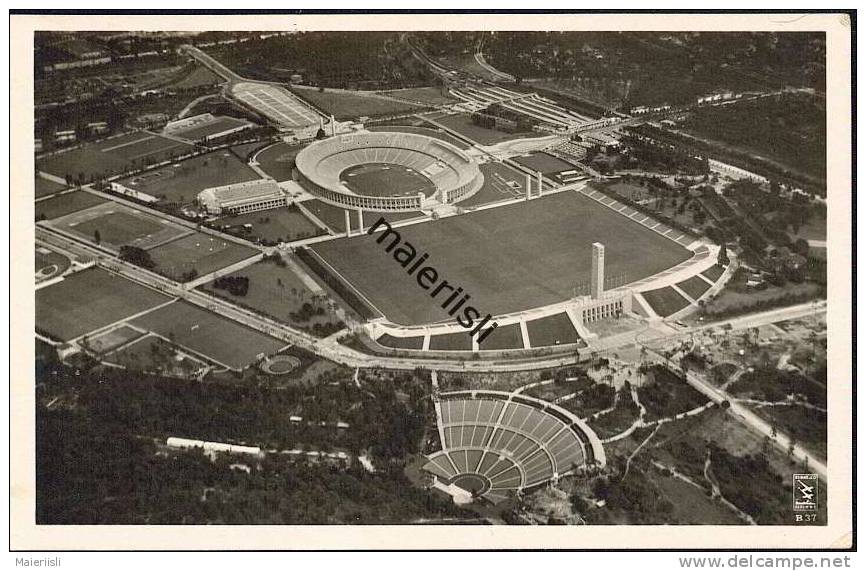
{"x": 508, "y": 442}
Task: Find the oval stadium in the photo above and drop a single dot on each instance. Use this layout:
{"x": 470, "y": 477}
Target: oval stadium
{"x": 386, "y": 171}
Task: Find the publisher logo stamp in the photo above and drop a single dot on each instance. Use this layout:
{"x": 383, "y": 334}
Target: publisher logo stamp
{"x": 805, "y": 492}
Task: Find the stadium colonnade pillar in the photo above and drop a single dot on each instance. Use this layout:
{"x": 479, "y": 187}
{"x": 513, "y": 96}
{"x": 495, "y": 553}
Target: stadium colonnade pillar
{"x": 528, "y": 186}
{"x": 348, "y": 224}
{"x": 360, "y": 221}
{"x": 539, "y": 182}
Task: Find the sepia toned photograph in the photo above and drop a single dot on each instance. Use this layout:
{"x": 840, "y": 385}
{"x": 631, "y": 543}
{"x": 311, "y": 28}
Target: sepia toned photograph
{"x": 553, "y": 279}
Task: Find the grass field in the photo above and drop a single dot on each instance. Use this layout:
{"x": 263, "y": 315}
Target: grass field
{"x": 423, "y": 95}
{"x": 66, "y": 204}
{"x": 221, "y": 339}
{"x": 218, "y": 125}
{"x": 382, "y": 179}
{"x": 278, "y": 292}
{"x": 112, "y": 156}
{"x": 462, "y": 123}
{"x": 119, "y": 225}
{"x": 350, "y": 106}
{"x": 694, "y": 286}
{"x": 182, "y": 181}
{"x": 547, "y": 164}
{"x": 494, "y": 255}
{"x": 49, "y": 263}
{"x": 551, "y": 330}
{"x": 278, "y": 160}
{"x": 714, "y": 272}
{"x": 665, "y": 301}
{"x": 44, "y": 187}
{"x": 503, "y": 337}
{"x": 89, "y": 300}
{"x": 109, "y": 340}
{"x": 334, "y": 217}
{"x": 276, "y": 225}
{"x": 401, "y": 342}
{"x": 460, "y": 341}
{"x": 499, "y": 184}
{"x": 201, "y": 252}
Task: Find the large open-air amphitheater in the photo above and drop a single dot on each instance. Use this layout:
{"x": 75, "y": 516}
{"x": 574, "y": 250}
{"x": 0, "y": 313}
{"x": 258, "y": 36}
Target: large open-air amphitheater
{"x": 495, "y": 444}
{"x": 453, "y": 173}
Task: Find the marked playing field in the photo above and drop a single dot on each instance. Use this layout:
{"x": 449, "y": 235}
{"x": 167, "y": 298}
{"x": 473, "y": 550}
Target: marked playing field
{"x": 495, "y": 255}
{"x": 201, "y": 252}
{"x": 383, "y": 179}
{"x": 182, "y": 181}
{"x": 119, "y": 225}
{"x": 207, "y": 333}
{"x": 67, "y": 203}
{"x": 112, "y": 156}
{"x": 89, "y": 300}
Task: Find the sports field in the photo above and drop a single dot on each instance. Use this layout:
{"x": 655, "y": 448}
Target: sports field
{"x": 182, "y": 181}
{"x": 276, "y": 225}
{"x": 279, "y": 160}
{"x": 199, "y": 330}
{"x": 383, "y": 179}
{"x": 423, "y": 95}
{"x": 67, "y": 203}
{"x": 547, "y": 164}
{"x": 277, "y": 291}
{"x": 89, "y": 300}
{"x": 45, "y": 187}
{"x": 119, "y": 225}
{"x": 209, "y": 128}
{"x": 462, "y": 123}
{"x": 345, "y": 105}
{"x": 201, "y": 252}
{"x": 112, "y": 156}
{"x": 510, "y": 258}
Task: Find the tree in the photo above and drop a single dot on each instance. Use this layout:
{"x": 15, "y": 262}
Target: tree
{"x": 97, "y": 237}
{"x": 137, "y": 256}
{"x": 723, "y": 256}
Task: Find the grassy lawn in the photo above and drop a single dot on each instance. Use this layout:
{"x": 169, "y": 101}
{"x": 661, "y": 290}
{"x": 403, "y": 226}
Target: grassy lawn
{"x": 350, "y": 106}
{"x": 551, "y": 330}
{"x": 503, "y": 337}
{"x": 401, "y": 342}
{"x": 277, "y": 225}
{"x": 119, "y": 225}
{"x": 278, "y": 160}
{"x": 66, "y": 204}
{"x": 49, "y": 263}
{"x": 334, "y": 217}
{"x": 494, "y": 255}
{"x": 112, "y": 156}
{"x": 209, "y": 334}
{"x": 435, "y": 133}
{"x": 182, "y": 181}
{"x": 498, "y": 185}
{"x": 114, "y": 338}
{"x": 547, "y": 164}
{"x": 89, "y": 300}
{"x": 459, "y": 341}
{"x": 694, "y": 286}
{"x": 665, "y": 301}
{"x": 714, "y": 273}
{"x": 423, "y": 95}
{"x": 278, "y": 292}
{"x": 201, "y": 252}
{"x": 731, "y": 300}
{"x": 46, "y": 187}
{"x": 462, "y": 123}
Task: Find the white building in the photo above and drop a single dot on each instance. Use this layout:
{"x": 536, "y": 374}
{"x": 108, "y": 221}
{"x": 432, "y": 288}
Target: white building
{"x": 211, "y": 447}
{"x": 243, "y": 197}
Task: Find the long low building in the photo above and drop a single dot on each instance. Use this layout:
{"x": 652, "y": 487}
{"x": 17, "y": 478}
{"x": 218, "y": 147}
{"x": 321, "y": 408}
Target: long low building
{"x": 243, "y": 197}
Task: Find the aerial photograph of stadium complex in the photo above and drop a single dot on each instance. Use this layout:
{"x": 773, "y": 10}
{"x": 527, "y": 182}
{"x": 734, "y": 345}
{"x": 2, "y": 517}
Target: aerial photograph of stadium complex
{"x": 484, "y": 278}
